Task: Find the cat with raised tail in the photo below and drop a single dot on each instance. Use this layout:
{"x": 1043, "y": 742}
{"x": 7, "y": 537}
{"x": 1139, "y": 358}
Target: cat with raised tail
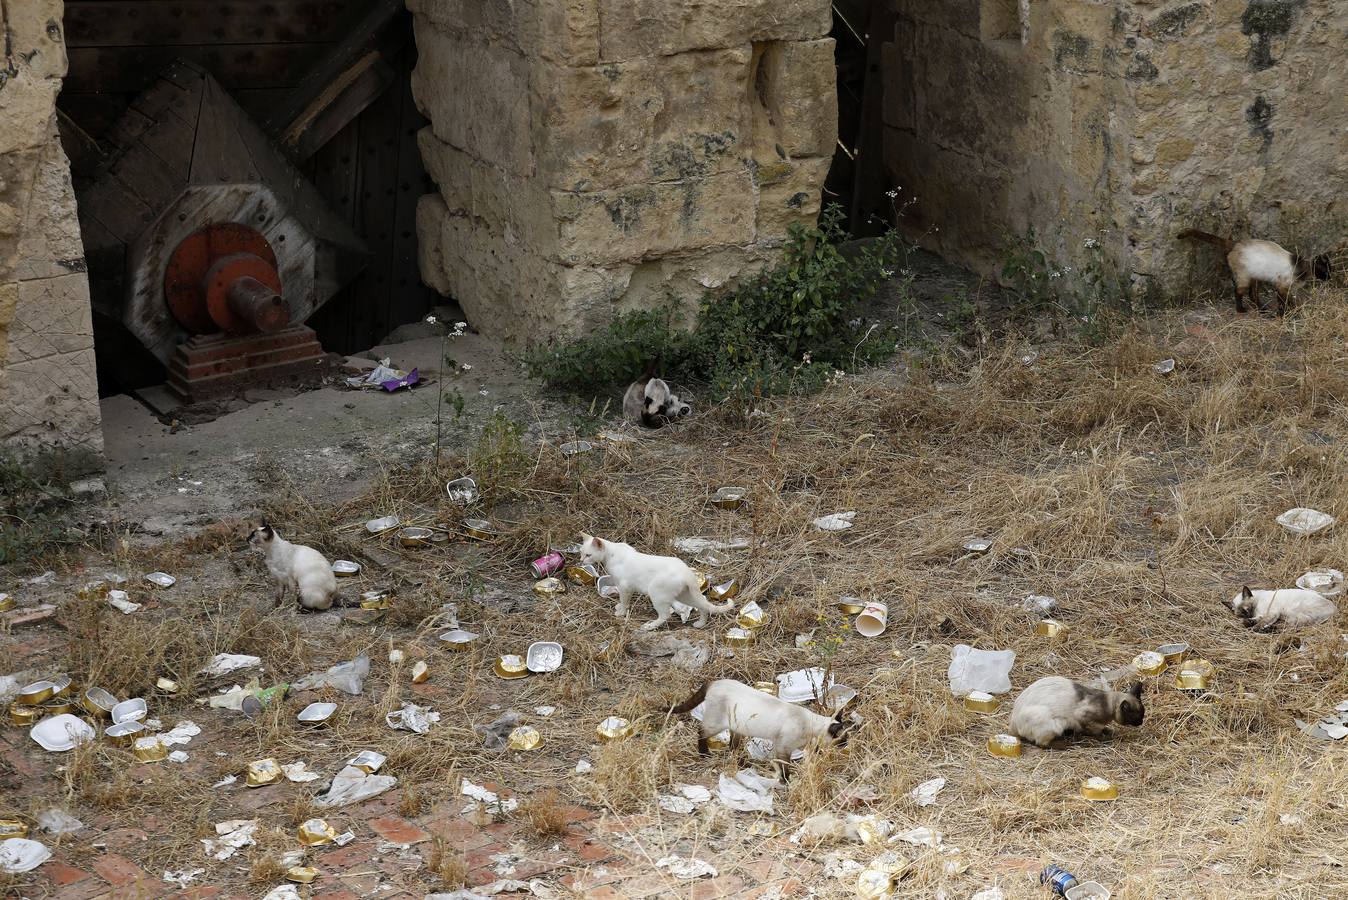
{"x": 1055, "y": 707}
{"x": 295, "y": 567}
{"x": 750, "y": 713}
{"x": 1253, "y": 262}
{"x": 1293, "y": 607}
{"x": 665, "y": 579}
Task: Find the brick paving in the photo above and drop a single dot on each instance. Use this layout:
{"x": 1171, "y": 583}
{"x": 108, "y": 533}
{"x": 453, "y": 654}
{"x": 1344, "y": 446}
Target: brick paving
{"x": 600, "y": 855}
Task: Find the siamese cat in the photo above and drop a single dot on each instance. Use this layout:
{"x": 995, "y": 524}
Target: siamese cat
{"x": 1055, "y": 707}
{"x": 1253, "y": 262}
{"x": 1262, "y": 610}
{"x": 650, "y": 402}
{"x": 296, "y": 568}
{"x": 750, "y": 713}
{"x": 667, "y": 580}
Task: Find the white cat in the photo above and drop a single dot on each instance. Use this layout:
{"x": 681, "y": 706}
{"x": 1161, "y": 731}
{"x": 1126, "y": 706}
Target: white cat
{"x": 1262, "y": 610}
{"x": 295, "y": 568}
{"x": 750, "y": 713}
{"x": 1055, "y": 706}
{"x": 667, "y": 580}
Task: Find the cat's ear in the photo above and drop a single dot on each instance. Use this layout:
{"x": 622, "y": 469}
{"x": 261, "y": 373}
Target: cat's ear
{"x": 598, "y": 544}
{"x": 838, "y": 717}
{"x": 1246, "y": 593}
{"x": 586, "y": 538}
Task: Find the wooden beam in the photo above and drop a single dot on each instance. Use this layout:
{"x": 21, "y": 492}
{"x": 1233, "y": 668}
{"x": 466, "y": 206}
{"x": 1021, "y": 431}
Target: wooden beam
{"x": 337, "y": 106}
{"x": 348, "y": 66}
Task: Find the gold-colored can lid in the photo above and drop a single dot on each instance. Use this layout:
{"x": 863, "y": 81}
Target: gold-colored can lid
{"x": 1004, "y": 745}
{"x": 1098, "y": 789}
{"x": 982, "y": 702}
{"x": 263, "y": 772}
{"x": 525, "y": 737}
{"x": 12, "y": 828}
{"x": 313, "y": 832}
{"x": 301, "y": 874}
{"x": 613, "y": 728}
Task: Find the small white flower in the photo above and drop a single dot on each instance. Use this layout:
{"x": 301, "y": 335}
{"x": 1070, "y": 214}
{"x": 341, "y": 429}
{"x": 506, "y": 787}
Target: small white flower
{"x": 430, "y": 320}
{"x": 483, "y": 393}
{"x": 1090, "y": 243}
{"x": 460, "y": 325}
{"x": 466, "y": 368}
{"x": 888, "y": 273}
{"x": 892, "y": 194}
{"x": 805, "y": 357}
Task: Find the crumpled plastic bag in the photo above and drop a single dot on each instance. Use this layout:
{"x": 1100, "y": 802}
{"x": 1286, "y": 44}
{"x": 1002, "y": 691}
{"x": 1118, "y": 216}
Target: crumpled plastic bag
{"x": 224, "y": 663}
{"x": 835, "y": 521}
{"x": 299, "y": 772}
{"x": 925, "y": 793}
{"x": 55, "y": 820}
{"x": 689, "y": 798}
{"x": 232, "y": 835}
{"x": 686, "y": 868}
{"x": 352, "y": 785}
{"x": 283, "y": 892}
{"x": 411, "y": 717}
{"x": 496, "y": 735}
{"x": 486, "y": 798}
{"x": 19, "y": 855}
{"x": 384, "y": 376}
{"x": 980, "y": 670}
{"x": 747, "y": 791}
{"x": 182, "y": 877}
{"x": 347, "y": 677}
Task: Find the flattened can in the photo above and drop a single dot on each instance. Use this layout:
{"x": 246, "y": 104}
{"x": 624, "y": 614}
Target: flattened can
{"x": 1058, "y": 879}
{"x": 548, "y": 564}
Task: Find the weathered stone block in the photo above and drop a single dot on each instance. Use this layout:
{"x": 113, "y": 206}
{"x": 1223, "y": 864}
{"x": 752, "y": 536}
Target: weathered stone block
{"x": 476, "y": 97}
{"x": 792, "y": 197}
{"x": 795, "y": 81}
{"x": 563, "y": 31}
{"x": 651, "y": 220}
{"x": 632, "y": 28}
{"x": 684, "y": 116}
{"x": 431, "y": 213}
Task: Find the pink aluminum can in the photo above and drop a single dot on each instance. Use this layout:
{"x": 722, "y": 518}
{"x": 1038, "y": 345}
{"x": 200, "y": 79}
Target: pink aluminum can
{"x": 547, "y": 565}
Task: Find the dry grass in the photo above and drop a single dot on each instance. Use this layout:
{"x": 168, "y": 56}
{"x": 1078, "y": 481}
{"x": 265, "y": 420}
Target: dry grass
{"x": 1138, "y": 500}
{"x": 545, "y": 813}
{"x": 446, "y": 865}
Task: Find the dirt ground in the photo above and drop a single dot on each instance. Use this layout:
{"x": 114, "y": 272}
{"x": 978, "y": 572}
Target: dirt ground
{"x": 1139, "y": 500}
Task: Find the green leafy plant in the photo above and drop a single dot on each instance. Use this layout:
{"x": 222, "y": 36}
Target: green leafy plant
{"x": 791, "y": 327}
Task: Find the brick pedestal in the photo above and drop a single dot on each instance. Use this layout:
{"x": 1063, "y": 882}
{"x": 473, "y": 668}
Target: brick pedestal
{"x": 208, "y": 366}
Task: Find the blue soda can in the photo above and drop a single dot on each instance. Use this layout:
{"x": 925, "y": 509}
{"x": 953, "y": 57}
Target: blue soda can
{"x": 1057, "y": 878}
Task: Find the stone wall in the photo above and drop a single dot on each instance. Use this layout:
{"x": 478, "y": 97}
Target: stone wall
{"x": 1119, "y": 123}
{"x": 599, "y": 155}
{"x": 48, "y": 385}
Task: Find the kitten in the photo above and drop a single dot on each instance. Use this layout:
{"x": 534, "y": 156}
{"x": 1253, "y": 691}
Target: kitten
{"x": 1262, "y": 610}
{"x": 667, "y": 580}
{"x": 750, "y": 713}
{"x": 1253, "y": 262}
{"x": 650, "y": 402}
{"x": 1055, "y": 706}
{"x": 295, "y": 567}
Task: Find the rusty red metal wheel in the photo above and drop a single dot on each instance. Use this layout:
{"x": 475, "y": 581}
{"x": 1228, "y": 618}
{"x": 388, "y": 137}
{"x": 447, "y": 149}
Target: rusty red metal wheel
{"x": 242, "y": 295}
{"x": 188, "y": 281}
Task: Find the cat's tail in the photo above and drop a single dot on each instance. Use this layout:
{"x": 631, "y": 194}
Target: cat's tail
{"x": 694, "y": 598}
{"x": 692, "y": 702}
{"x": 1193, "y": 234}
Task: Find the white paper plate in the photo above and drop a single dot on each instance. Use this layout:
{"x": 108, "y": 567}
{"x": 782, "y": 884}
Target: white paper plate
{"x": 61, "y": 733}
